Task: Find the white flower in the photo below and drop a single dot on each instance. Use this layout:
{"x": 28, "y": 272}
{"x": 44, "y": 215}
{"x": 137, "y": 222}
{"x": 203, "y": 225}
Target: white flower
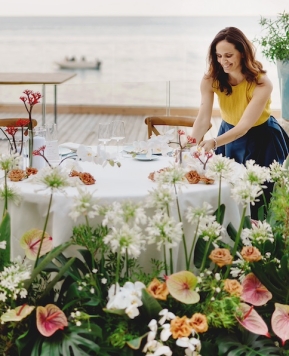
{"x": 155, "y": 348}
{"x": 219, "y": 166}
{"x": 259, "y": 233}
{"x": 54, "y": 178}
{"x": 193, "y": 214}
{"x": 164, "y": 230}
{"x": 132, "y": 311}
{"x": 192, "y": 344}
{"x": 277, "y": 171}
{"x": 85, "y": 153}
{"x": 103, "y": 280}
{"x": 161, "y": 197}
{"x": 3, "y": 245}
{"x": 8, "y": 162}
{"x": 166, "y": 332}
{"x": 126, "y": 239}
{"x": 212, "y": 230}
{"x": 166, "y": 315}
{"x": 83, "y": 205}
{"x": 12, "y": 192}
{"x": 246, "y": 193}
{"x": 256, "y": 174}
{"x": 174, "y": 174}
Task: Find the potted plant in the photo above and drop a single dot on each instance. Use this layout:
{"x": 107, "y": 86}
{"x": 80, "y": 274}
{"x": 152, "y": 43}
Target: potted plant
{"x": 275, "y": 47}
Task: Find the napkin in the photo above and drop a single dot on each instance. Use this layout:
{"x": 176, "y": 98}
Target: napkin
{"x": 71, "y": 145}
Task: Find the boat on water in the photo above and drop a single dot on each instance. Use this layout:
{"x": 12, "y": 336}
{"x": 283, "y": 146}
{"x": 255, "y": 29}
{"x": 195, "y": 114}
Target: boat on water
{"x": 79, "y": 64}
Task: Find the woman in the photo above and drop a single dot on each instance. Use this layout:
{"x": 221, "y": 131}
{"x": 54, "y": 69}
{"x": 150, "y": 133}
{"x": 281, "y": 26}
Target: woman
{"x": 247, "y": 131}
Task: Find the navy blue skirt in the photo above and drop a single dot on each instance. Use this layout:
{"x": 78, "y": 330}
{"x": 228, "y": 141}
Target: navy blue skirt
{"x": 264, "y": 144}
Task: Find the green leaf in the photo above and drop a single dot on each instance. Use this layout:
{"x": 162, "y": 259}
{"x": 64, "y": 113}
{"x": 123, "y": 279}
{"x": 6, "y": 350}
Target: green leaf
{"x": 136, "y": 343}
{"x": 221, "y": 212}
{"x": 200, "y": 252}
{"x": 150, "y": 305}
{"x": 5, "y": 232}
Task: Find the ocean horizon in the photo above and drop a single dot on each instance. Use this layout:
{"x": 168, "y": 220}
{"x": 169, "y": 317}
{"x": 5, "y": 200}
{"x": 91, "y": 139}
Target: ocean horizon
{"x": 141, "y": 57}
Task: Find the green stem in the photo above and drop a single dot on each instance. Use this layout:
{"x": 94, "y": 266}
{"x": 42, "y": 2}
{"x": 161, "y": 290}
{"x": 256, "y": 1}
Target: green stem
{"x": 126, "y": 262}
{"x": 44, "y": 229}
{"x": 30, "y": 147}
{"x": 165, "y": 259}
{"x": 5, "y": 193}
{"x": 237, "y": 240}
{"x": 183, "y": 235}
{"x": 117, "y": 268}
{"x": 203, "y": 265}
{"x": 219, "y": 200}
{"x": 171, "y": 261}
{"x": 194, "y": 241}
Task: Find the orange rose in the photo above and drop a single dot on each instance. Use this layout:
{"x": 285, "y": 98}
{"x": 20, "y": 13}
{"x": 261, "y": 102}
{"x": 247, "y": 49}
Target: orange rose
{"x": 31, "y": 171}
{"x": 180, "y": 327}
{"x": 221, "y": 256}
{"x": 193, "y": 177}
{"x": 74, "y": 173}
{"x": 152, "y": 176}
{"x": 206, "y": 180}
{"x": 199, "y": 323}
{"x": 158, "y": 289}
{"x": 233, "y": 287}
{"x": 16, "y": 175}
{"x": 86, "y": 178}
{"x": 251, "y": 254}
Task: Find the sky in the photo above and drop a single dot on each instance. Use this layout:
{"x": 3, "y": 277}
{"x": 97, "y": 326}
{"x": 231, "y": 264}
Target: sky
{"x": 143, "y": 7}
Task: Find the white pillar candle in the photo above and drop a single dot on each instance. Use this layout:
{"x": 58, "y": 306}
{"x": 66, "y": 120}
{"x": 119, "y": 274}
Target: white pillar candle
{"x": 38, "y": 161}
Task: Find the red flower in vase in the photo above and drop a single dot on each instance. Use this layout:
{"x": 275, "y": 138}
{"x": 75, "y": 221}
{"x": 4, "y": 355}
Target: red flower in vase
{"x": 30, "y": 99}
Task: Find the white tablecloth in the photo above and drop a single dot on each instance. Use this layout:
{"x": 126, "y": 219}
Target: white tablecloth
{"x": 129, "y": 182}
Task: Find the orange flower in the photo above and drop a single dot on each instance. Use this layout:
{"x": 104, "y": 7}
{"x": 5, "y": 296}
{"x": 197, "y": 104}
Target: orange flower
{"x": 86, "y": 178}
{"x": 31, "y": 171}
{"x": 233, "y": 287}
{"x": 192, "y": 177}
{"x": 199, "y": 323}
{"x": 16, "y": 175}
{"x": 158, "y": 289}
{"x": 251, "y": 254}
{"x": 221, "y": 256}
{"x": 181, "y": 327}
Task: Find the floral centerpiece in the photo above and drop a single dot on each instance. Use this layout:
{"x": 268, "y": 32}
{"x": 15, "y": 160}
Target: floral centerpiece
{"x": 230, "y": 298}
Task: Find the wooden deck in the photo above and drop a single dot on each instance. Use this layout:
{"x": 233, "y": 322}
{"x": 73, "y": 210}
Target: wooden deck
{"x": 79, "y": 128}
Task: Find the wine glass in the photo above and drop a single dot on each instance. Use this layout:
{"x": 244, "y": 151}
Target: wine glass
{"x": 117, "y": 133}
{"x": 104, "y": 133}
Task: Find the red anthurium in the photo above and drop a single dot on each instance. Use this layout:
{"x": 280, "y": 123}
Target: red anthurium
{"x": 31, "y": 240}
{"x": 17, "y": 314}
{"x": 280, "y": 321}
{"x": 181, "y": 286}
{"x": 254, "y": 292}
{"x": 252, "y": 321}
{"x": 49, "y": 319}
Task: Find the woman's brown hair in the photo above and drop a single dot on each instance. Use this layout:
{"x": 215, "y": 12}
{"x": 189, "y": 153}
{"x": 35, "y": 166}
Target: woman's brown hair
{"x": 251, "y": 68}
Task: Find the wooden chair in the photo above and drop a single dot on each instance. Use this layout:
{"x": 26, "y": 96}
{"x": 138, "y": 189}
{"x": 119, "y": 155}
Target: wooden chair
{"x": 13, "y": 122}
{"x": 152, "y": 121}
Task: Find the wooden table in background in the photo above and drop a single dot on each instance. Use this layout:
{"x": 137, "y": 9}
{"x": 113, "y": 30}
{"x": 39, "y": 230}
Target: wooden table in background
{"x": 38, "y": 78}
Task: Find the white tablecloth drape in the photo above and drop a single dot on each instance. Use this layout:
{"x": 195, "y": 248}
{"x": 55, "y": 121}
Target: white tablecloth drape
{"x": 128, "y": 182}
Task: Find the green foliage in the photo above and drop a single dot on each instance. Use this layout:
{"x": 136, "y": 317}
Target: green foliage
{"x": 275, "y": 41}
{"x": 5, "y": 231}
{"x": 246, "y": 344}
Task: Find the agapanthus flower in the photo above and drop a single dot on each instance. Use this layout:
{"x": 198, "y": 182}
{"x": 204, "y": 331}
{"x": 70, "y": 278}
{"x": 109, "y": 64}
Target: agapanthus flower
{"x": 256, "y": 174}
{"x": 246, "y": 193}
{"x": 126, "y": 239}
{"x": 161, "y": 197}
{"x": 11, "y": 280}
{"x": 193, "y": 214}
{"x": 8, "y": 162}
{"x": 277, "y": 171}
{"x": 53, "y": 178}
{"x": 212, "y": 230}
{"x": 83, "y": 205}
{"x": 259, "y": 234}
{"x": 164, "y": 230}
{"x": 12, "y": 193}
{"x": 125, "y": 212}
{"x": 174, "y": 174}
{"x": 219, "y": 166}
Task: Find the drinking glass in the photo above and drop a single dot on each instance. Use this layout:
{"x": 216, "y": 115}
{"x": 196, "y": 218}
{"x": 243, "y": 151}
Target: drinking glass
{"x": 117, "y": 133}
{"x": 104, "y": 133}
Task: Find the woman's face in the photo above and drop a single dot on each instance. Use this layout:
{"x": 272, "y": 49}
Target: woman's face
{"x": 229, "y": 57}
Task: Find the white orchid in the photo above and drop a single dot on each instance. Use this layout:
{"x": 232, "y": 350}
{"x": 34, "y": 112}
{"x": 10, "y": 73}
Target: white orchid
{"x": 166, "y": 315}
{"x": 193, "y": 345}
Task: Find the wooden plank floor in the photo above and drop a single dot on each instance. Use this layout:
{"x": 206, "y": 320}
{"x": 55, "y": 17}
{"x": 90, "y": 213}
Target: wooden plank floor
{"x": 82, "y": 129}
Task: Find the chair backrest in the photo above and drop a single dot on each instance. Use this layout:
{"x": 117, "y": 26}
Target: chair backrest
{"x": 176, "y": 121}
{"x": 13, "y": 122}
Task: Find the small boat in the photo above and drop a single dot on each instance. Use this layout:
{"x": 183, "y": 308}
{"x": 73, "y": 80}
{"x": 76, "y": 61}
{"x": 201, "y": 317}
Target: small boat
{"x": 79, "y": 64}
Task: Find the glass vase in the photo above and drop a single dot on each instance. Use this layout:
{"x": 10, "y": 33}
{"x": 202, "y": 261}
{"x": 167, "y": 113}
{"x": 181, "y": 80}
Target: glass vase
{"x": 36, "y": 139}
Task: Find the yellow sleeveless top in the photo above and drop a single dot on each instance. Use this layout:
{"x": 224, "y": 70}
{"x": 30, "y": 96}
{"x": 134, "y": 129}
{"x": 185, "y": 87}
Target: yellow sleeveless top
{"x": 232, "y": 106}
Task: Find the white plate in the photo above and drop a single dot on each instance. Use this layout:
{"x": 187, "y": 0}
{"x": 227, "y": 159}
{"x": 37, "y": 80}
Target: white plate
{"x": 143, "y": 157}
{"x": 64, "y": 151}
{"x": 129, "y": 149}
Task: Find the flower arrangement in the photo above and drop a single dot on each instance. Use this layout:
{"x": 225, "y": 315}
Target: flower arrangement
{"x": 231, "y": 297}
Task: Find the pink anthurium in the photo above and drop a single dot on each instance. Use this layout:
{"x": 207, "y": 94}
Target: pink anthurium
{"x": 49, "y": 319}
{"x": 31, "y": 240}
{"x": 181, "y": 286}
{"x": 254, "y": 292}
{"x": 17, "y": 314}
{"x": 252, "y": 321}
{"x": 280, "y": 321}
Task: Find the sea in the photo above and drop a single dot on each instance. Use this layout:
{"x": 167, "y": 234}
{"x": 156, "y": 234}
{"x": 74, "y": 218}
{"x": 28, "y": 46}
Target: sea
{"x": 155, "y": 61}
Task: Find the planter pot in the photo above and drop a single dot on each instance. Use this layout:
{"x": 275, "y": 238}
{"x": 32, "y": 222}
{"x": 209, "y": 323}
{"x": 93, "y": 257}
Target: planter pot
{"x": 283, "y": 76}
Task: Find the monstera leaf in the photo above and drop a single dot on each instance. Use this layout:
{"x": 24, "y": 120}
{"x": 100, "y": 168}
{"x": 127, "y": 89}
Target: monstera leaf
{"x": 247, "y": 344}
